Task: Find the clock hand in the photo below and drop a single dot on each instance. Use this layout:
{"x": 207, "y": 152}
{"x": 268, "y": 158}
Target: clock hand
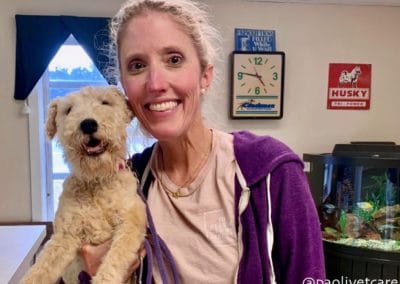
{"x": 259, "y": 77}
{"x": 262, "y": 82}
{"x": 250, "y": 74}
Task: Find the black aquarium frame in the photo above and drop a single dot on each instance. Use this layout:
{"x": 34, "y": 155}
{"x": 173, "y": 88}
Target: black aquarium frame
{"x": 354, "y": 263}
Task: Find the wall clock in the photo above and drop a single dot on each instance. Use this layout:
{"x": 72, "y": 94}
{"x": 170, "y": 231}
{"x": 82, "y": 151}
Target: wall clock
{"x": 257, "y": 84}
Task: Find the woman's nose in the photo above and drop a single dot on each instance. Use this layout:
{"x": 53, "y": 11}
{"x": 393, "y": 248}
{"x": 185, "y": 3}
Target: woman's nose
{"x": 156, "y": 81}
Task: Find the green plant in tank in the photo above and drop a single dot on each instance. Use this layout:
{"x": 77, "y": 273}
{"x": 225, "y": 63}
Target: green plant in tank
{"x": 378, "y": 193}
{"x": 343, "y": 223}
{"x": 365, "y": 211}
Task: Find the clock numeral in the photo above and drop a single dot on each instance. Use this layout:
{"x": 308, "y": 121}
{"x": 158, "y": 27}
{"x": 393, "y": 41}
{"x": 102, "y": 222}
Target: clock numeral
{"x": 275, "y": 76}
{"x": 257, "y": 90}
{"x": 240, "y": 75}
{"x": 258, "y": 61}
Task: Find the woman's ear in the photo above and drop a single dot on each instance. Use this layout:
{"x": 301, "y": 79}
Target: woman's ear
{"x": 207, "y": 77}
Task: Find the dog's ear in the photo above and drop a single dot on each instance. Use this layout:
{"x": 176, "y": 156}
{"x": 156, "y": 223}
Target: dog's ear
{"x": 129, "y": 111}
{"x": 51, "y": 126}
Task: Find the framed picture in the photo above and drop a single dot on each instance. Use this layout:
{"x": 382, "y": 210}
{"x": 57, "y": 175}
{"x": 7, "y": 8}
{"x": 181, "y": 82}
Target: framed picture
{"x": 257, "y": 85}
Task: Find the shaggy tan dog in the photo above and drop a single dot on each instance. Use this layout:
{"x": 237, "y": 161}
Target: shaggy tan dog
{"x": 99, "y": 200}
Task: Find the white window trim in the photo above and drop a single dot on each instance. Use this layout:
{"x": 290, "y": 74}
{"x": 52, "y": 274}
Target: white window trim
{"x": 37, "y": 155}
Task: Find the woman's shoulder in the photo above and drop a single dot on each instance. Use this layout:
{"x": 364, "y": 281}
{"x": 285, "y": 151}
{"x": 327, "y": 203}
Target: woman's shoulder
{"x": 246, "y": 142}
{"x": 138, "y": 161}
{"x": 258, "y": 155}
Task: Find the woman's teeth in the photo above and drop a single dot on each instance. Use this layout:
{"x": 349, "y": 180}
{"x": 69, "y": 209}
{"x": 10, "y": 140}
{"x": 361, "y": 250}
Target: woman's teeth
{"x": 163, "y": 106}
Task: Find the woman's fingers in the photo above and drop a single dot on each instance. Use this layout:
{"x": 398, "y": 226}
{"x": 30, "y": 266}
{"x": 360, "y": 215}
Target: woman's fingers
{"x": 136, "y": 263}
{"x": 92, "y": 256}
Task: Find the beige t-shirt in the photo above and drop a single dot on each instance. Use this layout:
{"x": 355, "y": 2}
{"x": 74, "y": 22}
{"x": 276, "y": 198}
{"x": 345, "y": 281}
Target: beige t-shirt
{"x": 199, "y": 227}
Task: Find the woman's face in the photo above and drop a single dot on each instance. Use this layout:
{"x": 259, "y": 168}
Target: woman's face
{"x": 161, "y": 75}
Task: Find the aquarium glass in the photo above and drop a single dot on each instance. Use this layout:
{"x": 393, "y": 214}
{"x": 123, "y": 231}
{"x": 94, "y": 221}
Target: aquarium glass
{"x": 360, "y": 206}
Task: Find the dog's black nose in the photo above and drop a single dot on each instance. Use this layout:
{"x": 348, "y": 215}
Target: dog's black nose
{"x": 89, "y": 126}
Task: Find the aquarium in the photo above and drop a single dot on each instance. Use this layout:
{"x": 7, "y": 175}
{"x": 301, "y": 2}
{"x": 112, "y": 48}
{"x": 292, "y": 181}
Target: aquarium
{"x": 356, "y": 191}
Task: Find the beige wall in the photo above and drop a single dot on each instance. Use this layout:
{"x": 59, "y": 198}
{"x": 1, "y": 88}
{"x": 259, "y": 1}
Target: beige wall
{"x": 312, "y": 36}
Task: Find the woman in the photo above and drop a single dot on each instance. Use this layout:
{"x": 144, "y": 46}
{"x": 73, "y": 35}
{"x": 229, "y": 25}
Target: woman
{"x": 230, "y": 207}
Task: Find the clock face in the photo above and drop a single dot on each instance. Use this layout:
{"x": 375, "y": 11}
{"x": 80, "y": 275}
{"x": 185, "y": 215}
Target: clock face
{"x": 257, "y": 85}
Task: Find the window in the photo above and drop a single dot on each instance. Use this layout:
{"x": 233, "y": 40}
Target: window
{"x": 70, "y": 70}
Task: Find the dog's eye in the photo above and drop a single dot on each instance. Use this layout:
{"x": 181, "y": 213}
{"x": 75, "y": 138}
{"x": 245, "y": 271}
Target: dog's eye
{"x": 107, "y": 103}
{"x": 68, "y": 110}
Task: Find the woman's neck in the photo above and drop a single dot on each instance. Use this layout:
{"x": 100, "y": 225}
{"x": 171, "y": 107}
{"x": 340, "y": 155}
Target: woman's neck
{"x": 184, "y": 157}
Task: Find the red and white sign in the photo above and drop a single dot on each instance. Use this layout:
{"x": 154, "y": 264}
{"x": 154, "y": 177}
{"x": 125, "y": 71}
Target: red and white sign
{"x": 349, "y": 86}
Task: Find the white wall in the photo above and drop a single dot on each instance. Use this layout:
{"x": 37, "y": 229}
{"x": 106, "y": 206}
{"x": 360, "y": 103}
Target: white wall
{"x": 312, "y": 36}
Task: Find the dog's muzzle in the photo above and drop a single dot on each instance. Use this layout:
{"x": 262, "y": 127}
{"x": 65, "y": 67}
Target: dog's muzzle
{"x": 93, "y": 146}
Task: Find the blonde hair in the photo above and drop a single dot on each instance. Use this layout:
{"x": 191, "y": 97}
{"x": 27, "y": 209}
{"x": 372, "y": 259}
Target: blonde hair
{"x": 191, "y": 15}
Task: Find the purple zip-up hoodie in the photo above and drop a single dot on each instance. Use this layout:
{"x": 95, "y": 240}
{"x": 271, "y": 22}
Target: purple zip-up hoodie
{"x": 297, "y": 249}
{"x": 297, "y": 252}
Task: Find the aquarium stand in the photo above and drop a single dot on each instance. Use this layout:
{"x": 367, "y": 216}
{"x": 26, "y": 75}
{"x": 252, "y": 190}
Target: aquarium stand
{"x": 360, "y": 263}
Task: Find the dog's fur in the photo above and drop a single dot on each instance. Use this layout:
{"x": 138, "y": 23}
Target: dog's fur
{"x": 99, "y": 199}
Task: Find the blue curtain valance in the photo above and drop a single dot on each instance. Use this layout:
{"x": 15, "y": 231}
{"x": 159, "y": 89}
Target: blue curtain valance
{"x": 40, "y": 37}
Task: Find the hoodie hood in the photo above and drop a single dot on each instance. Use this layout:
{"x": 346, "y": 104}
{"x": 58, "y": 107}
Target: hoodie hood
{"x": 260, "y": 155}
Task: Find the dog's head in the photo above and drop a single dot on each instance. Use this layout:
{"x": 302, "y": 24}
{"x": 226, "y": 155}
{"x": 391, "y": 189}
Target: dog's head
{"x": 91, "y": 127}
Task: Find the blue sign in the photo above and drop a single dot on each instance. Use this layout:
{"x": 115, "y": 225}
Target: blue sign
{"x": 254, "y": 40}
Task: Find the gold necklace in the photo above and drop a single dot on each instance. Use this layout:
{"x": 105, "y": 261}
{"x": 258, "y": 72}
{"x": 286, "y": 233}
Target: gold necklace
{"x": 177, "y": 194}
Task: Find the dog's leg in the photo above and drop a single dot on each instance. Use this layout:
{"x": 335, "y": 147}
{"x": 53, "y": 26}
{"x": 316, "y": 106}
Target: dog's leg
{"x": 125, "y": 246}
{"x": 55, "y": 257}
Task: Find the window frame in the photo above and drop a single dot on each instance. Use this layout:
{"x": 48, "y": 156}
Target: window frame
{"x": 37, "y": 155}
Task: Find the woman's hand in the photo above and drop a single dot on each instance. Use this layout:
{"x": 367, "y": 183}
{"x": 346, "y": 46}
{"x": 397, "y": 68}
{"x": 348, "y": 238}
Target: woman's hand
{"x": 93, "y": 255}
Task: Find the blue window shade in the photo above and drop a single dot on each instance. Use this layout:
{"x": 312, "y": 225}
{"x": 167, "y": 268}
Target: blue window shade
{"x": 40, "y": 37}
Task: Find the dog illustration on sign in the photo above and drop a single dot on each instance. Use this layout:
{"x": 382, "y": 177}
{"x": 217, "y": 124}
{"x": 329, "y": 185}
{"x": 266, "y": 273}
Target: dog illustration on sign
{"x": 347, "y": 77}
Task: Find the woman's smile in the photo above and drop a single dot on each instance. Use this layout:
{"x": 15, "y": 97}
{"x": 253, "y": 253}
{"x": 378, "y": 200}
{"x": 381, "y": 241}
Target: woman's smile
{"x": 163, "y": 106}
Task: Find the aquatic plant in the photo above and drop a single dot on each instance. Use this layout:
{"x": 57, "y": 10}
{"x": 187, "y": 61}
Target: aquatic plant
{"x": 343, "y": 223}
{"x": 366, "y": 214}
{"x": 378, "y": 193}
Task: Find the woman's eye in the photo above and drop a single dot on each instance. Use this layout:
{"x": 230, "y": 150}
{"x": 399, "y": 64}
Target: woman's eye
{"x": 175, "y": 60}
{"x": 136, "y": 67}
